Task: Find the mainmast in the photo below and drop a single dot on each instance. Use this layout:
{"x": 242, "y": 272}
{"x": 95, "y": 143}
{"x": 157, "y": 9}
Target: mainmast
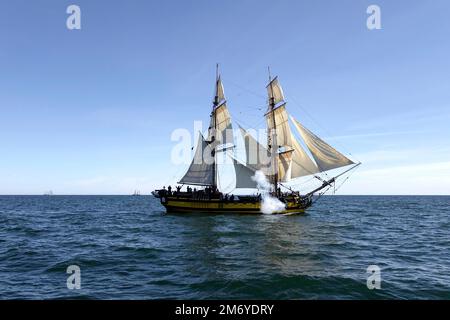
{"x": 214, "y": 126}
{"x": 273, "y": 136}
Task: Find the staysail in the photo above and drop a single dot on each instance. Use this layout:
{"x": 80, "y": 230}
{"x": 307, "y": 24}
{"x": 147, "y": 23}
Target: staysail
{"x": 257, "y": 156}
{"x": 302, "y": 165}
{"x": 326, "y": 157}
{"x": 244, "y": 175}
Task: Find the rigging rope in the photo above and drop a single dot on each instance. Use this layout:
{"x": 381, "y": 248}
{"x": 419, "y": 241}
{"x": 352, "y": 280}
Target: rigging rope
{"x": 318, "y": 124}
{"x": 351, "y": 173}
{"x": 334, "y": 185}
{"x": 247, "y": 90}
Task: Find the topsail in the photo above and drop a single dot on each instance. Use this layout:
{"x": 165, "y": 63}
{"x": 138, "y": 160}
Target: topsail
{"x": 220, "y": 117}
{"x": 275, "y": 91}
{"x": 278, "y": 118}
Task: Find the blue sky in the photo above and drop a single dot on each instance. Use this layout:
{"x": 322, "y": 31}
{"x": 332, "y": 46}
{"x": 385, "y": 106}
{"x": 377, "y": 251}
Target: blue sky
{"x": 91, "y": 111}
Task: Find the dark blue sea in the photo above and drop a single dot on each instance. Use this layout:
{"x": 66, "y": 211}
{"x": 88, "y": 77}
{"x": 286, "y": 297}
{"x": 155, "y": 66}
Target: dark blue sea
{"x": 128, "y": 248}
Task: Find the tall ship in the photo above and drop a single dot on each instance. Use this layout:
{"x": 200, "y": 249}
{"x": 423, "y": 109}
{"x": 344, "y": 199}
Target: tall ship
{"x": 267, "y": 168}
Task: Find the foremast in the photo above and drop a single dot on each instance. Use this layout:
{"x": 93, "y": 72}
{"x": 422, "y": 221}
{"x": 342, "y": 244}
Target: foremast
{"x": 203, "y": 170}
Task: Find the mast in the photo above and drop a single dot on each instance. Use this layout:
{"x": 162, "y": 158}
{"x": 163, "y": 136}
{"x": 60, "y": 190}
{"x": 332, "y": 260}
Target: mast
{"x": 202, "y": 172}
{"x": 273, "y": 134}
{"x": 214, "y": 126}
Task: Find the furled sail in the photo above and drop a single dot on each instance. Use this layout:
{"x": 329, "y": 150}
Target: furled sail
{"x": 201, "y": 170}
{"x": 275, "y": 92}
{"x": 326, "y": 157}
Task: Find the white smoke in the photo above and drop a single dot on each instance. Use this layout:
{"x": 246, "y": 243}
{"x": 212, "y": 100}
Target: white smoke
{"x": 269, "y": 204}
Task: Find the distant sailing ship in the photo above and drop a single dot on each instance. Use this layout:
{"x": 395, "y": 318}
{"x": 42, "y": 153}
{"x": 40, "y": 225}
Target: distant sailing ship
{"x": 136, "y": 193}
{"x": 282, "y": 160}
{"x": 48, "y": 193}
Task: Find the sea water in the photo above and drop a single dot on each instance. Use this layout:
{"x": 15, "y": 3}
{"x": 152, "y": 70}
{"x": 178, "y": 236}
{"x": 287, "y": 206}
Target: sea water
{"x": 128, "y": 248}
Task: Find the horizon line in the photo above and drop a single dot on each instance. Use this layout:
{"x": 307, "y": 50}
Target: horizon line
{"x": 148, "y": 194}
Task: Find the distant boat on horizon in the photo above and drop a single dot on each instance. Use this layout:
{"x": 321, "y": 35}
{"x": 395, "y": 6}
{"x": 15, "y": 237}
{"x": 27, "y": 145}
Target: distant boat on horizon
{"x": 136, "y": 193}
{"x": 48, "y": 193}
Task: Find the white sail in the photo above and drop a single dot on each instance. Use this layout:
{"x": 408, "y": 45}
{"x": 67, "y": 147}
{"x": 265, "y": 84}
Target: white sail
{"x": 285, "y": 166}
{"x": 293, "y": 162}
{"x": 223, "y": 124}
{"x": 275, "y": 91}
{"x": 226, "y": 181}
{"x": 201, "y": 170}
{"x": 220, "y": 93}
{"x": 326, "y": 157}
{"x": 220, "y": 124}
{"x": 244, "y": 175}
{"x": 281, "y": 124}
{"x": 257, "y": 156}
{"x": 301, "y": 165}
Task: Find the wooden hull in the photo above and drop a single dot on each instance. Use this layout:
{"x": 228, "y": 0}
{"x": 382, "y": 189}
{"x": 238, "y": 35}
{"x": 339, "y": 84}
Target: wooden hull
{"x": 173, "y": 204}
